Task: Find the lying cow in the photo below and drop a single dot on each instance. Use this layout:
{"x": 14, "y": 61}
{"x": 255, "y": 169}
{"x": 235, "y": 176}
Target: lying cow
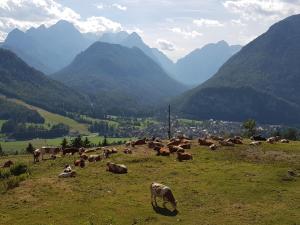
{"x": 84, "y": 157}
{"x": 213, "y": 147}
{"x": 174, "y": 142}
{"x": 271, "y": 140}
{"x": 164, "y": 192}
{"x": 67, "y": 169}
{"x": 204, "y": 142}
{"x": 153, "y": 144}
{"x": 49, "y": 150}
{"x": 7, "y": 164}
{"x": 176, "y": 149}
{"x": 163, "y": 152}
{"x": 116, "y": 168}
{"x": 79, "y": 162}
{"x": 255, "y": 143}
{"x": 258, "y": 138}
{"x": 127, "y": 151}
{"x": 94, "y": 158}
{"x": 67, "y": 175}
{"x": 185, "y": 146}
{"x": 226, "y": 143}
{"x": 71, "y": 151}
{"x": 138, "y": 142}
{"x": 284, "y": 141}
{"x": 184, "y": 156}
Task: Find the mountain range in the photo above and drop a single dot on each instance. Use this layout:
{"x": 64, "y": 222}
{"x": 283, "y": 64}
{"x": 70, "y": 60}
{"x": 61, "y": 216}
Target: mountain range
{"x": 260, "y": 82}
{"x": 118, "y": 79}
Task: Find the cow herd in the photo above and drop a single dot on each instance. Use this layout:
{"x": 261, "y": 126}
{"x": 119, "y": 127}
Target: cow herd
{"x": 178, "y": 146}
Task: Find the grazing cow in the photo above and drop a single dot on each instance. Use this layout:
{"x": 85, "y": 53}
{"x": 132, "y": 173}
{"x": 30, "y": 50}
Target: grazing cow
{"x": 184, "y": 156}
{"x": 163, "y": 152}
{"x": 8, "y": 164}
{"x": 80, "y": 162}
{"x": 176, "y": 149}
{"x": 226, "y": 143}
{"x": 127, "y": 151}
{"x": 116, "y": 168}
{"x": 255, "y": 143}
{"x": 67, "y": 175}
{"x": 70, "y": 150}
{"x": 258, "y": 138}
{"x": 164, "y": 192}
{"x": 284, "y": 141}
{"x": 94, "y": 158}
{"x": 36, "y": 155}
{"x": 213, "y": 147}
{"x": 204, "y": 142}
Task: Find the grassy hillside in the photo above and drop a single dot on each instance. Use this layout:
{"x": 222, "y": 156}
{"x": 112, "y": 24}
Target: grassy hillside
{"x": 240, "y": 185}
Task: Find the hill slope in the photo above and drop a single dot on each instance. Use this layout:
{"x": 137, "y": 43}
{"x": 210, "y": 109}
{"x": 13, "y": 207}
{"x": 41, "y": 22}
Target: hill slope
{"x": 267, "y": 68}
{"x": 18, "y": 80}
{"x": 120, "y": 80}
{"x": 47, "y": 49}
{"x": 201, "y": 64}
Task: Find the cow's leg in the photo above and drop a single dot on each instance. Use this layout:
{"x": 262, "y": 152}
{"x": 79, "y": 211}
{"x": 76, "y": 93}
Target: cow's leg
{"x": 155, "y": 200}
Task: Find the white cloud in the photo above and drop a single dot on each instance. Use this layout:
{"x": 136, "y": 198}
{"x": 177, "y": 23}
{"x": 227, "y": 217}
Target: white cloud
{"x": 100, "y": 6}
{"x": 165, "y": 45}
{"x": 185, "y": 33}
{"x": 208, "y": 23}
{"x": 2, "y": 36}
{"x": 258, "y": 9}
{"x": 24, "y": 14}
{"x": 120, "y": 7}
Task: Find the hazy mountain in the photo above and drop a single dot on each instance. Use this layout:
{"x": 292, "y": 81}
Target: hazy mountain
{"x": 201, "y": 64}
{"x": 47, "y": 49}
{"x": 120, "y": 80}
{"x": 18, "y": 80}
{"x": 134, "y": 40}
{"x": 260, "y": 82}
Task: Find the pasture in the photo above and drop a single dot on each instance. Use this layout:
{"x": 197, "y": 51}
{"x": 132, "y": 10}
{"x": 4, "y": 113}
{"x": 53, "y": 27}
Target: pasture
{"x": 234, "y": 185}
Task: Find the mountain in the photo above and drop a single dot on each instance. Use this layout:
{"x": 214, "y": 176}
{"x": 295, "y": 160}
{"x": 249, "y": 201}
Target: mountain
{"x": 259, "y": 82}
{"x": 134, "y": 40}
{"x": 118, "y": 79}
{"x": 201, "y": 64}
{"x": 47, "y": 49}
{"x": 18, "y": 80}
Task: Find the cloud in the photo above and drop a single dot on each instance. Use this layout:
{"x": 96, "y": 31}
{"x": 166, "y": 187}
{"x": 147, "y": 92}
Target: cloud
{"x": 258, "y": 9}
{"x": 165, "y": 45}
{"x": 207, "y": 23}
{"x": 24, "y": 14}
{"x": 186, "y": 34}
{"x": 2, "y": 36}
{"x": 120, "y": 7}
{"x": 100, "y": 6}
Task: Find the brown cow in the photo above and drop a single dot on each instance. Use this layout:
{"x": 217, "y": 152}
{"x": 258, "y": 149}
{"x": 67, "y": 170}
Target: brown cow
{"x": 94, "y": 158}
{"x": 127, "y": 151}
{"x": 176, "y": 149}
{"x": 138, "y": 142}
{"x": 185, "y": 146}
{"x": 163, "y": 152}
{"x": 174, "y": 142}
{"x": 116, "y": 168}
{"x": 70, "y": 150}
{"x": 84, "y": 157}
{"x": 164, "y": 192}
{"x": 226, "y": 143}
{"x": 213, "y": 147}
{"x": 184, "y": 156}
{"x": 204, "y": 142}
{"x": 7, "y": 164}
{"x": 153, "y": 144}
{"x": 80, "y": 162}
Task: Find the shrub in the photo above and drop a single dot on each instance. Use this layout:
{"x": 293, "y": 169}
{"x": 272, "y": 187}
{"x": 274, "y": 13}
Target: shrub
{"x": 4, "y": 174}
{"x": 19, "y": 169}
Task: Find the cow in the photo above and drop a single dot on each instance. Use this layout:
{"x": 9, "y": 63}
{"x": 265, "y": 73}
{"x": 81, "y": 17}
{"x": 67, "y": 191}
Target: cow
{"x": 176, "y": 149}
{"x": 49, "y": 150}
{"x": 271, "y": 140}
{"x": 164, "y": 192}
{"x": 204, "y": 142}
{"x": 213, "y": 147}
{"x": 226, "y": 143}
{"x": 138, "y": 142}
{"x": 94, "y": 158}
{"x": 67, "y": 175}
{"x": 79, "y": 162}
{"x": 153, "y": 144}
{"x": 258, "y": 138}
{"x": 70, "y": 150}
{"x": 174, "y": 142}
{"x": 184, "y": 156}
{"x": 84, "y": 157}
{"x": 127, "y": 151}
{"x": 163, "y": 152}
{"x": 90, "y": 150}
{"x": 116, "y": 168}
{"x": 284, "y": 141}
{"x": 36, "y": 155}
{"x": 216, "y": 138}
{"x": 7, "y": 164}
{"x": 67, "y": 169}
{"x": 185, "y": 146}
{"x": 255, "y": 143}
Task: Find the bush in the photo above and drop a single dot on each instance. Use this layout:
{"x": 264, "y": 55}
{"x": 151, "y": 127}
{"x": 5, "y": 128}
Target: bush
{"x": 12, "y": 182}
{"x": 19, "y": 169}
{"x": 4, "y": 174}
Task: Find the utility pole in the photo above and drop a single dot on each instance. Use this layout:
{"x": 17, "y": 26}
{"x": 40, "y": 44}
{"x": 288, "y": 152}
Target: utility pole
{"x": 169, "y": 130}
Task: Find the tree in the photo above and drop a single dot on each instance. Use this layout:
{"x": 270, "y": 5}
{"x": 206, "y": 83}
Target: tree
{"x": 1, "y": 151}
{"x": 290, "y": 133}
{"x": 77, "y": 142}
{"x": 86, "y": 143}
{"x": 30, "y": 148}
{"x": 64, "y": 143}
{"x": 250, "y": 126}
{"x": 104, "y": 142}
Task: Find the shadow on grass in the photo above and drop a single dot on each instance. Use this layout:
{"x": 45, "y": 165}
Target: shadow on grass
{"x": 164, "y": 211}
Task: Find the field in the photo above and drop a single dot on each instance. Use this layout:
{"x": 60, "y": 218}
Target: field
{"x": 239, "y": 185}
{"x": 20, "y": 146}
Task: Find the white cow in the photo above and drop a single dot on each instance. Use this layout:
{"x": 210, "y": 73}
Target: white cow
{"x": 164, "y": 192}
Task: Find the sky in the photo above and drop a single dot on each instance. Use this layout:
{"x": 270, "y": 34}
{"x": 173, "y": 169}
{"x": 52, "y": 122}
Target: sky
{"x": 176, "y": 27}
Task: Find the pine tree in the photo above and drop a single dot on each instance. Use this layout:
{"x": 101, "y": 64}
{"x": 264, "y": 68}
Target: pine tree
{"x": 1, "y": 151}
{"x": 86, "y": 143}
{"x": 30, "y": 148}
{"x": 64, "y": 143}
{"x": 77, "y": 142}
{"x": 104, "y": 142}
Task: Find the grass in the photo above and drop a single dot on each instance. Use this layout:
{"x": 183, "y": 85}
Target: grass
{"x": 1, "y": 123}
{"x": 20, "y": 146}
{"x": 222, "y": 187}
